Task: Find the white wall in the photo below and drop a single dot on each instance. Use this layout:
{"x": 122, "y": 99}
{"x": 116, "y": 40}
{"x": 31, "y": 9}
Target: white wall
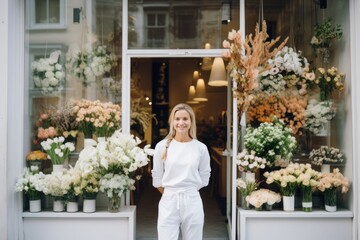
{"x": 3, "y": 112}
{"x": 355, "y": 88}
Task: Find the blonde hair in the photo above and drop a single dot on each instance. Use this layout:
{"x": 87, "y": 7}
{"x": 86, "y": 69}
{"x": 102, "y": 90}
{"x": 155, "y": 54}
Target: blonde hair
{"x": 171, "y": 134}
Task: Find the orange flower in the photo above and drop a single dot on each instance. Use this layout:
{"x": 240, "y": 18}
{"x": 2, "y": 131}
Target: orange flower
{"x": 36, "y": 155}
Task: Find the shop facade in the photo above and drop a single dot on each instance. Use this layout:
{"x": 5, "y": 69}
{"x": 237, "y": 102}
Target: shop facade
{"x": 24, "y": 40}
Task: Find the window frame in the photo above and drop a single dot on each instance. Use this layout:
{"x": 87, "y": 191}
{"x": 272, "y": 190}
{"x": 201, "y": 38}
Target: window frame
{"x": 32, "y": 25}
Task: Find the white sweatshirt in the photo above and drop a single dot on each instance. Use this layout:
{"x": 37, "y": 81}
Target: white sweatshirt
{"x": 187, "y": 165}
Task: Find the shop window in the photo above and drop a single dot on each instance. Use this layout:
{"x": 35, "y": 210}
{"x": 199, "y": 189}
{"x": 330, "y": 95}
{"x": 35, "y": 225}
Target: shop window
{"x": 46, "y": 14}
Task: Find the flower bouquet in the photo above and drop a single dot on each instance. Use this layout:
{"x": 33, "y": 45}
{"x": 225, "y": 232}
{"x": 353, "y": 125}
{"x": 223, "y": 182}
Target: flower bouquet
{"x": 57, "y": 188}
{"x": 57, "y": 150}
{"x": 107, "y": 120}
{"x": 245, "y": 58}
{"x": 114, "y": 185}
{"x": 90, "y": 63}
{"x": 329, "y": 184}
{"x": 326, "y": 155}
{"x": 263, "y": 197}
{"x": 329, "y": 80}
{"x": 72, "y": 178}
{"x": 32, "y": 184}
{"x": 286, "y": 179}
{"x": 272, "y": 141}
{"x": 287, "y": 69}
{"x": 308, "y": 181}
{"x": 318, "y": 114}
{"x": 249, "y": 162}
{"x": 48, "y": 73}
{"x": 44, "y": 127}
{"x": 246, "y": 187}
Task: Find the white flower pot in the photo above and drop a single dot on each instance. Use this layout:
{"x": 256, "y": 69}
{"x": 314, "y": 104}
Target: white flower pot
{"x": 325, "y": 168}
{"x": 89, "y": 205}
{"x": 58, "y": 206}
{"x": 330, "y": 208}
{"x": 101, "y": 139}
{"x": 57, "y": 167}
{"x": 72, "y": 207}
{"x": 35, "y": 205}
{"x": 289, "y": 203}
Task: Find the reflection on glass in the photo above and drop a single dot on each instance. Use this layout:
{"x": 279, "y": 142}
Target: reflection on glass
{"x": 47, "y": 11}
{"x": 179, "y": 24}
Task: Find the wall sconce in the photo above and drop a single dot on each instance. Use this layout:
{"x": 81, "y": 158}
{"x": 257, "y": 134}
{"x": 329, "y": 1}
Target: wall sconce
{"x": 76, "y": 15}
{"x": 226, "y": 11}
{"x": 218, "y": 76}
{"x": 191, "y": 95}
{"x": 200, "y": 94}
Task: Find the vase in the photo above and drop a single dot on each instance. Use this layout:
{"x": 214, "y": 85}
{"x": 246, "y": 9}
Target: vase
{"x": 72, "y": 207}
{"x": 57, "y": 168}
{"x": 244, "y": 204}
{"x": 306, "y": 198}
{"x": 325, "y": 168}
{"x": 330, "y": 199}
{"x": 248, "y": 176}
{"x": 58, "y": 206}
{"x": 324, "y": 95}
{"x": 114, "y": 203}
{"x": 35, "y": 163}
{"x": 268, "y": 207}
{"x": 89, "y": 205}
{"x": 35, "y": 205}
{"x": 289, "y": 203}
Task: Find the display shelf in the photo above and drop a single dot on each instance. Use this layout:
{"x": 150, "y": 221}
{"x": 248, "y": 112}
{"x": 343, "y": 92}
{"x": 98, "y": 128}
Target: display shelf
{"x": 297, "y": 225}
{"x": 79, "y": 225}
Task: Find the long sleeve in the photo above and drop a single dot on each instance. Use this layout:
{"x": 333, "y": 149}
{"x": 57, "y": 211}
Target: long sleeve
{"x": 204, "y": 167}
{"x": 158, "y": 165}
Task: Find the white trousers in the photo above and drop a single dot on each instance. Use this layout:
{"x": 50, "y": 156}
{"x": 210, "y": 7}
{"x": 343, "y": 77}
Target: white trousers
{"x": 180, "y": 210}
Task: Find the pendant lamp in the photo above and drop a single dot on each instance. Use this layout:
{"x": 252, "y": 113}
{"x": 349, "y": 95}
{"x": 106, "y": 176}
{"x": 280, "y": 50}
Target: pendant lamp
{"x": 191, "y": 95}
{"x": 200, "y": 94}
{"x": 218, "y": 73}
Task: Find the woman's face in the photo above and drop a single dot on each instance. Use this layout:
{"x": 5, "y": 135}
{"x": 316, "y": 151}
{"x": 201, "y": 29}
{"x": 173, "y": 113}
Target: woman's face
{"x": 182, "y": 121}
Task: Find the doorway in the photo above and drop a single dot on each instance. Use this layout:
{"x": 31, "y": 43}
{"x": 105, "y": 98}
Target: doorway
{"x": 158, "y": 84}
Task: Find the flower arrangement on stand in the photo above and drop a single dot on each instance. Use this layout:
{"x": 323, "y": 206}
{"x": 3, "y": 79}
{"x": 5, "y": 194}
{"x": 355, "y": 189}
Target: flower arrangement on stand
{"x": 263, "y": 198}
{"x": 249, "y": 162}
{"x": 329, "y": 80}
{"x": 32, "y": 184}
{"x": 318, "y": 115}
{"x": 116, "y": 158}
{"x": 48, "y": 73}
{"x": 273, "y": 141}
{"x": 325, "y": 156}
{"x": 57, "y": 150}
{"x": 329, "y": 184}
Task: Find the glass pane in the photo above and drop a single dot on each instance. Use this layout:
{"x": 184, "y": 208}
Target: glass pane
{"x": 83, "y": 62}
{"x": 54, "y": 11}
{"x": 187, "y": 24}
{"x": 41, "y": 11}
{"x": 151, "y": 19}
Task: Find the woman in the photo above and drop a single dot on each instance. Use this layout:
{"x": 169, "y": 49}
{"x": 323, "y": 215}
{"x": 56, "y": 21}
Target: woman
{"x": 181, "y": 167}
